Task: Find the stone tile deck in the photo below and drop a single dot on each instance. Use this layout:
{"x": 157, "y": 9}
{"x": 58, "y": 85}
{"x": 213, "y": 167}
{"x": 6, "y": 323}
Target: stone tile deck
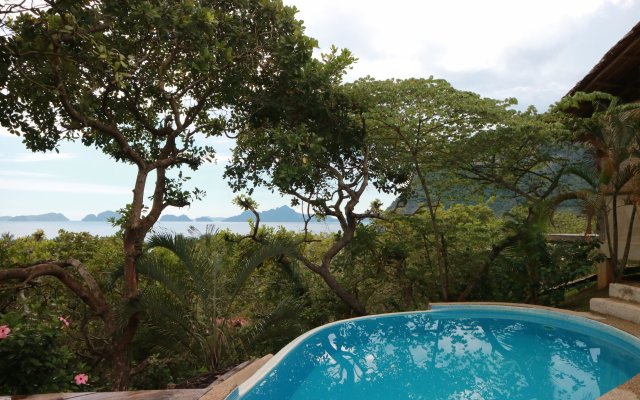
{"x": 173, "y": 394}
{"x": 221, "y": 390}
{"x": 218, "y": 390}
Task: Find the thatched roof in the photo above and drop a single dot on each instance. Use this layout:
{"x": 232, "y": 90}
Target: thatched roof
{"x": 618, "y": 72}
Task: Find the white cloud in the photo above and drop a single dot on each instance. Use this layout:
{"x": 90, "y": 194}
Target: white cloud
{"x": 38, "y": 157}
{"x": 223, "y": 158}
{"x": 53, "y": 186}
{"x": 25, "y": 174}
{"x": 462, "y": 34}
{"x": 222, "y": 140}
{"x": 535, "y": 45}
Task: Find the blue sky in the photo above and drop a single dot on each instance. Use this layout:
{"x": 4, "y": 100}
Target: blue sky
{"x": 532, "y": 50}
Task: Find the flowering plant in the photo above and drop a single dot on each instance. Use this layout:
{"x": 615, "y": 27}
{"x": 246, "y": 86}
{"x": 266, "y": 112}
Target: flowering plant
{"x": 4, "y": 331}
{"x": 81, "y": 379}
{"x": 64, "y": 321}
{"x": 35, "y": 355}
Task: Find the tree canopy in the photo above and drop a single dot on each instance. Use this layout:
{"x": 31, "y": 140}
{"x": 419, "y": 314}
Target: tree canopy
{"x": 145, "y": 82}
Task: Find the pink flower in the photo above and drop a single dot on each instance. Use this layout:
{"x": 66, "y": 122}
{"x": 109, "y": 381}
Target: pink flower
{"x": 81, "y": 379}
{"x": 64, "y": 321}
{"x": 4, "y": 331}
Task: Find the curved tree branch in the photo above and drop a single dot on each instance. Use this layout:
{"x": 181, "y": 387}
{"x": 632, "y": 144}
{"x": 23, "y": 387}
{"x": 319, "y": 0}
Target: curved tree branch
{"x": 87, "y": 289}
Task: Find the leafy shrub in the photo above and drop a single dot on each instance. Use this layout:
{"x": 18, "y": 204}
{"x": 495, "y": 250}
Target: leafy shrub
{"x": 35, "y": 358}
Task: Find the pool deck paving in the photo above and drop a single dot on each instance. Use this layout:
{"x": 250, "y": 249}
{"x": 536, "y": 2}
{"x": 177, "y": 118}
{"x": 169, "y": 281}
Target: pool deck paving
{"x": 225, "y": 384}
{"x": 218, "y": 390}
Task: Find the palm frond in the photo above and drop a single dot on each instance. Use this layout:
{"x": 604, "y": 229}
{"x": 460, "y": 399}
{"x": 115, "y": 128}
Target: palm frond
{"x": 182, "y": 246}
{"x": 585, "y": 172}
{"x": 626, "y": 174}
{"x": 265, "y": 252}
{"x": 288, "y": 308}
{"x": 155, "y": 269}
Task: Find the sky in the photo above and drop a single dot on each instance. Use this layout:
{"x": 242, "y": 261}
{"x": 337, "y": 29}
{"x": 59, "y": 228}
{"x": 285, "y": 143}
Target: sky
{"x": 533, "y": 50}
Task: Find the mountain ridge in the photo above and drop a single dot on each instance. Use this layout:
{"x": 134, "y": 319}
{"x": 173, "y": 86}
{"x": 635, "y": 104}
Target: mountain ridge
{"x": 279, "y": 214}
{"x": 101, "y": 217}
{"x": 51, "y": 216}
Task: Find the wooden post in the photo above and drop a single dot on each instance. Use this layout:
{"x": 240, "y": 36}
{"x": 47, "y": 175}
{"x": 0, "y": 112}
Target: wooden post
{"x": 605, "y": 273}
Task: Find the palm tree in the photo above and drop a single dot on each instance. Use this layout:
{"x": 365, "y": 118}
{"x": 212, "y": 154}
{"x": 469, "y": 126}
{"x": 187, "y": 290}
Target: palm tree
{"x": 189, "y": 302}
{"x": 612, "y": 137}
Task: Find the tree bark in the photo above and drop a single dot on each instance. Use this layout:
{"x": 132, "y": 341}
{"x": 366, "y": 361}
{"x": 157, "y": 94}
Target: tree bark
{"x": 134, "y": 234}
{"x": 341, "y": 292}
{"x": 619, "y": 273}
{"x": 439, "y": 238}
{"x": 493, "y": 254}
{"x": 120, "y": 355}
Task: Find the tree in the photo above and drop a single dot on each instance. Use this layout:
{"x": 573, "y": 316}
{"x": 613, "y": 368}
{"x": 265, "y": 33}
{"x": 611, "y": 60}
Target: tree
{"x": 611, "y": 136}
{"x": 414, "y": 123}
{"x": 141, "y": 82}
{"x": 313, "y": 145}
{"x": 530, "y": 157}
{"x": 192, "y": 301}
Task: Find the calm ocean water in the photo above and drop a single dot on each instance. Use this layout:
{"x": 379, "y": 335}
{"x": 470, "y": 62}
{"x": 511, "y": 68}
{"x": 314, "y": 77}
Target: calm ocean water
{"x": 51, "y": 229}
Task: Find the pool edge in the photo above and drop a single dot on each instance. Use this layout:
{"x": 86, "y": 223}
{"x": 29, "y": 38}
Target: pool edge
{"x": 628, "y": 388}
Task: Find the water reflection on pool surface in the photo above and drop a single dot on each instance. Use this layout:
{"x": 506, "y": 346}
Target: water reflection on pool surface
{"x": 454, "y": 353}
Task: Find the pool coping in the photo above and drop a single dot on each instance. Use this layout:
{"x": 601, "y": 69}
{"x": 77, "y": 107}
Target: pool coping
{"x": 629, "y": 390}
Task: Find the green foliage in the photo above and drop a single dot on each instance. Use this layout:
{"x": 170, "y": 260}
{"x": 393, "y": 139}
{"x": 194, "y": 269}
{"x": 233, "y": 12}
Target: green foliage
{"x": 393, "y": 262}
{"x": 538, "y": 272}
{"x": 161, "y": 371}
{"x": 190, "y": 305}
{"x": 44, "y": 299}
{"x": 414, "y": 122}
{"x": 36, "y": 357}
{"x": 126, "y": 64}
{"x": 297, "y": 137}
{"x": 568, "y": 222}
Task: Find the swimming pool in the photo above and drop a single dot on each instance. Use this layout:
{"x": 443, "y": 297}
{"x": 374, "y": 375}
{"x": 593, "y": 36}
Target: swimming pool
{"x": 450, "y": 352}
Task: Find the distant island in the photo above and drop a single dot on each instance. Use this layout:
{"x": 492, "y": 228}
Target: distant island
{"x": 104, "y": 216}
{"x": 208, "y": 219}
{"x": 175, "y": 218}
{"x": 54, "y": 217}
{"x": 280, "y": 214}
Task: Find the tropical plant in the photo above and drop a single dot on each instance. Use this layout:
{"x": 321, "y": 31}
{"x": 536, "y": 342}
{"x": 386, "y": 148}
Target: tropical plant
{"x": 611, "y": 168}
{"x": 140, "y": 81}
{"x": 36, "y": 355}
{"x": 315, "y": 149}
{"x": 191, "y": 304}
{"x": 413, "y": 123}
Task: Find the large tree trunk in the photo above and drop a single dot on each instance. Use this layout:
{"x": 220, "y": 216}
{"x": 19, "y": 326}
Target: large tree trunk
{"x": 439, "y": 239}
{"x": 120, "y": 355}
{"x": 484, "y": 269}
{"x": 120, "y": 370}
{"x": 341, "y": 292}
{"x": 133, "y": 241}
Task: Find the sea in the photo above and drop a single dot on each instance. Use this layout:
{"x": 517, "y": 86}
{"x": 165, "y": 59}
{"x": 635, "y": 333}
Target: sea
{"x": 51, "y": 228}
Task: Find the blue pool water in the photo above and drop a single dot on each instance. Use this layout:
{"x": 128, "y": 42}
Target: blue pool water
{"x": 451, "y": 352}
